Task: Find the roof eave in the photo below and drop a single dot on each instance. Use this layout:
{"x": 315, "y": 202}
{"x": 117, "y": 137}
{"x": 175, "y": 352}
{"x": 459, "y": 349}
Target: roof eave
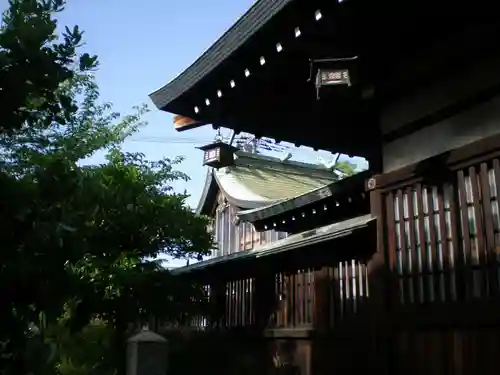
{"x": 247, "y": 26}
{"x": 310, "y": 197}
{"x": 208, "y": 194}
{"x": 308, "y": 238}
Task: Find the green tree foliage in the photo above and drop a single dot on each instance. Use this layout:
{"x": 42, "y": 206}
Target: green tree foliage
{"x": 34, "y": 62}
{"x": 76, "y": 239}
{"x": 345, "y": 168}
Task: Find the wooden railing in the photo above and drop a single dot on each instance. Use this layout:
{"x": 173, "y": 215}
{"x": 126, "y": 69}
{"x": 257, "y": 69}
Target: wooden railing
{"x": 294, "y": 292}
{"x": 443, "y": 237}
{"x": 439, "y": 237}
{"x": 240, "y": 301}
{"x": 293, "y": 302}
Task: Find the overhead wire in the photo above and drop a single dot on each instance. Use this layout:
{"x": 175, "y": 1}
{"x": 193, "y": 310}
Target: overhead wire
{"x": 195, "y": 141}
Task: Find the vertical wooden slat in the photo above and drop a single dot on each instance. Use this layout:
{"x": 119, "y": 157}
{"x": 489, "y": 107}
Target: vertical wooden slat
{"x": 392, "y": 248}
{"x": 342, "y": 290}
{"x": 331, "y": 292}
{"x": 243, "y": 294}
{"x": 320, "y": 294}
{"x": 293, "y": 299}
{"x": 433, "y": 243}
{"x": 310, "y": 291}
{"x": 355, "y": 285}
{"x": 290, "y": 304}
{"x": 251, "y": 301}
{"x": 337, "y": 296}
{"x": 248, "y": 299}
{"x": 360, "y": 284}
{"x": 233, "y": 304}
{"x": 227, "y": 305}
{"x": 286, "y": 284}
{"x": 300, "y": 297}
{"x": 247, "y": 311}
{"x": 278, "y": 300}
{"x": 237, "y": 304}
{"x": 466, "y": 274}
{"x": 455, "y": 241}
{"x": 284, "y": 299}
{"x": 246, "y": 292}
{"x": 496, "y": 170}
{"x": 241, "y": 302}
{"x": 348, "y": 287}
{"x": 476, "y": 199}
{"x": 403, "y": 249}
{"x": 279, "y": 308}
{"x": 307, "y": 316}
{"x": 489, "y": 229}
{"x": 230, "y": 305}
{"x": 412, "y": 245}
{"x": 444, "y": 273}
{"x": 494, "y": 255}
{"x": 423, "y": 241}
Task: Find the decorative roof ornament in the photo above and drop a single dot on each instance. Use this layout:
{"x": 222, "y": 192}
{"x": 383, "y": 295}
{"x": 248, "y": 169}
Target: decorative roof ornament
{"x": 218, "y": 136}
{"x": 331, "y": 72}
{"x": 256, "y": 145}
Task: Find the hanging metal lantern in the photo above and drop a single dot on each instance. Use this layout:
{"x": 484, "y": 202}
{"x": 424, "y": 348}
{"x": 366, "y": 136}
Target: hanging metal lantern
{"x": 331, "y": 72}
{"x": 218, "y": 154}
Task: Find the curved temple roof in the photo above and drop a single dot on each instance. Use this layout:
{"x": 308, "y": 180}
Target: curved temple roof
{"x": 249, "y": 24}
{"x": 256, "y": 181}
{"x": 304, "y": 199}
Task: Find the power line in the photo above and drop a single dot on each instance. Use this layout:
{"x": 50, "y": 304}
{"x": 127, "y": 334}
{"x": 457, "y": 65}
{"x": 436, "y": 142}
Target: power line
{"x": 195, "y": 141}
{"x": 169, "y": 140}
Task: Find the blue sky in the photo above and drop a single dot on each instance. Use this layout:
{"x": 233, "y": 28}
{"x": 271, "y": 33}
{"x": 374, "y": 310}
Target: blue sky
{"x": 142, "y": 45}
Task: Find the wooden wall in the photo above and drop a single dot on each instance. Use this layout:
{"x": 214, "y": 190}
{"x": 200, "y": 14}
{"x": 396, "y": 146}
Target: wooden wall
{"x": 442, "y": 236}
{"x": 425, "y": 300}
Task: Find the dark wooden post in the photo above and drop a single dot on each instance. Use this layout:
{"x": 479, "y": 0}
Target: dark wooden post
{"x": 379, "y": 282}
{"x": 264, "y": 298}
{"x": 264, "y": 303}
{"x": 321, "y": 306}
{"x": 319, "y": 344}
{"x": 218, "y": 304}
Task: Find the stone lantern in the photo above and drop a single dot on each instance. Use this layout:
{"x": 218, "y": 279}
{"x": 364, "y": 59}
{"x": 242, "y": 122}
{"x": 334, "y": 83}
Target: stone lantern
{"x": 147, "y": 354}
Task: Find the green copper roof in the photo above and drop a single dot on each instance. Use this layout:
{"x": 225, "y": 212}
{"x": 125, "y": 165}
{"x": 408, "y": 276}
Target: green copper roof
{"x": 255, "y": 180}
{"x": 279, "y": 183}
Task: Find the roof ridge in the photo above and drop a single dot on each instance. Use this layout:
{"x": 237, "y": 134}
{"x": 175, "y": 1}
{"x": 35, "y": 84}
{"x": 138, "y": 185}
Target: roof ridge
{"x": 274, "y": 161}
{"x": 293, "y": 170}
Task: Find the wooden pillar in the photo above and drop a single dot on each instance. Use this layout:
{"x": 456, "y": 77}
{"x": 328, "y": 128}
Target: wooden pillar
{"x": 320, "y": 350}
{"x": 218, "y": 303}
{"x": 379, "y": 281}
{"x": 264, "y": 303}
{"x": 264, "y": 298}
{"x": 321, "y": 305}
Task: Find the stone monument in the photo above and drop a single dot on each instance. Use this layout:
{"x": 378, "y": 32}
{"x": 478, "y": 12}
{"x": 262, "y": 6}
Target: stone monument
{"x": 147, "y": 354}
